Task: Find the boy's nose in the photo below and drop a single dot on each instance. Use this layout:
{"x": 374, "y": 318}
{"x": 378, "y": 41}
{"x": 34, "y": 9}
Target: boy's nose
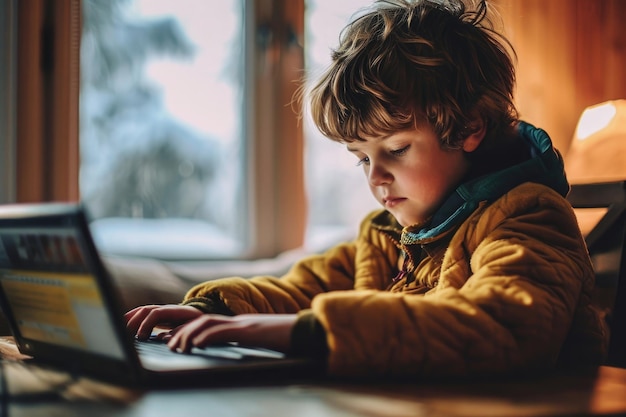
{"x": 378, "y": 175}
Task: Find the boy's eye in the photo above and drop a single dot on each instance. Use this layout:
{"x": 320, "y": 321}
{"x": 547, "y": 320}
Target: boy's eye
{"x": 362, "y": 161}
{"x": 401, "y": 151}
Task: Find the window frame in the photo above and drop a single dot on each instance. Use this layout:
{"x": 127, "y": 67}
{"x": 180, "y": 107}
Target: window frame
{"x": 276, "y": 173}
{"x": 47, "y": 153}
{"x": 47, "y": 100}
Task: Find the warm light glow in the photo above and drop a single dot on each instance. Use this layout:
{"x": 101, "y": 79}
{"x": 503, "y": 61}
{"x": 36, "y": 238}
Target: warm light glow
{"x": 595, "y": 119}
{"x": 598, "y": 150}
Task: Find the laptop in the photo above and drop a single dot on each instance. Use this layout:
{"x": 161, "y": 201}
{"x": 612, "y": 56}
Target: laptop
{"x": 63, "y": 310}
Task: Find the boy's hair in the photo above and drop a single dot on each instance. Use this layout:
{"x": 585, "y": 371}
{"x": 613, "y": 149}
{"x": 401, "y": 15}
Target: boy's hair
{"x": 406, "y": 62}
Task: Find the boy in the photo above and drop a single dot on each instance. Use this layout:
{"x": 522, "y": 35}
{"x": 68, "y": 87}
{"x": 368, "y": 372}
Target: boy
{"x": 474, "y": 266}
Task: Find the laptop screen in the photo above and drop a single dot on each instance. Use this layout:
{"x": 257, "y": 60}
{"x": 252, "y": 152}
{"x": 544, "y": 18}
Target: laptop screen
{"x": 52, "y": 295}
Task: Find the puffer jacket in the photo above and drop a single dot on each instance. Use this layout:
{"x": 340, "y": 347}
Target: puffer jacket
{"x": 498, "y": 281}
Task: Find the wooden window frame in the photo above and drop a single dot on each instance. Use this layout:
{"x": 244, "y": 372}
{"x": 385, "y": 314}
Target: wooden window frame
{"x": 276, "y": 173}
{"x": 47, "y": 153}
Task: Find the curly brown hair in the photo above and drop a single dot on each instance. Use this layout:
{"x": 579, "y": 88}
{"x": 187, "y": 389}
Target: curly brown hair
{"x": 404, "y": 62}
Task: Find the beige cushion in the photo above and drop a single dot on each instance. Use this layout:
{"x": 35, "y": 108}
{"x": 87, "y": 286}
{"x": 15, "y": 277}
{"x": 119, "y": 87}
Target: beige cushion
{"x": 144, "y": 281}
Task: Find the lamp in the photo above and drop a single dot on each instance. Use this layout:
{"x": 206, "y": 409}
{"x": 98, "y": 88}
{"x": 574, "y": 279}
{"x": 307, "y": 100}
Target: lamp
{"x": 598, "y": 150}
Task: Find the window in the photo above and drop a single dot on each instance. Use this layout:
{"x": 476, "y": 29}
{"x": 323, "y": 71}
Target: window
{"x": 162, "y": 116}
{"x": 185, "y": 132}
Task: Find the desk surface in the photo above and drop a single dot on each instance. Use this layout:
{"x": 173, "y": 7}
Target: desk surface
{"x": 35, "y": 392}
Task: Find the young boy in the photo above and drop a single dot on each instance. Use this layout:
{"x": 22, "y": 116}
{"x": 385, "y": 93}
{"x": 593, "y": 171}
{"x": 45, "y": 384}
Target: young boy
{"x": 476, "y": 264}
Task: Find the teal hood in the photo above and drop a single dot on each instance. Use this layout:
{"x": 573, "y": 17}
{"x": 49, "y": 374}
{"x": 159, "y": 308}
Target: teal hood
{"x": 545, "y": 166}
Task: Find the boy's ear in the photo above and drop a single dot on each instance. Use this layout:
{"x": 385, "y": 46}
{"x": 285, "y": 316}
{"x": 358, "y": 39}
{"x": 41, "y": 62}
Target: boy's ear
{"x": 474, "y": 139}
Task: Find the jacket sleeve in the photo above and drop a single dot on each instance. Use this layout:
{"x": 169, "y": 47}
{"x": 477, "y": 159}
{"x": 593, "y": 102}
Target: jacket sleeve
{"x": 510, "y": 283}
{"x": 330, "y": 271}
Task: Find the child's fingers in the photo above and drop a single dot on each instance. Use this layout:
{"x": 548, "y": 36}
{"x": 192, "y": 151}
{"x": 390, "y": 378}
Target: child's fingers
{"x": 167, "y": 314}
{"x": 136, "y": 317}
{"x": 182, "y": 340}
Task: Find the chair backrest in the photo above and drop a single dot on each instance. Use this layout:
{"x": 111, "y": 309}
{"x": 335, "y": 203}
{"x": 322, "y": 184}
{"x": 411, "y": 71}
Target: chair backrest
{"x": 607, "y": 248}
{"x": 595, "y": 164}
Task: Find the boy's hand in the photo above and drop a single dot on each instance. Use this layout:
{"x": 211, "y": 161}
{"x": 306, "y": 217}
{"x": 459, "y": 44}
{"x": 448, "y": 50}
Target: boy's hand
{"x": 272, "y": 331}
{"x": 141, "y": 320}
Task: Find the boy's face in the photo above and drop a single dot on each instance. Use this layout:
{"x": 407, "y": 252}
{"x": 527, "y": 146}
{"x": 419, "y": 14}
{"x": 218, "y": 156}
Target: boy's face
{"x": 409, "y": 173}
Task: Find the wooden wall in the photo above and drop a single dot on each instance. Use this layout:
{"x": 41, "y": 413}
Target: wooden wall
{"x": 571, "y": 54}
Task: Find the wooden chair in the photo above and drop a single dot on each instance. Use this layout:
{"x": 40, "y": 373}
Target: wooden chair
{"x": 595, "y": 165}
{"x": 605, "y": 242}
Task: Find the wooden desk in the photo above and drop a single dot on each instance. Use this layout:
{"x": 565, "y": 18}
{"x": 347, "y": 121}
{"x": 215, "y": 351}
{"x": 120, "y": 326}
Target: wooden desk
{"x": 35, "y": 392}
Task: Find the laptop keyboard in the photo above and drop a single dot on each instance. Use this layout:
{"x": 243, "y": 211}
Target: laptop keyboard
{"x": 228, "y": 351}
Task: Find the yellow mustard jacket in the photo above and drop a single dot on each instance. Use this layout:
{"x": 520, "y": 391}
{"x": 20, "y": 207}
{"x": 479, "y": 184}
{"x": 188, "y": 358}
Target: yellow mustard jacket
{"x": 508, "y": 289}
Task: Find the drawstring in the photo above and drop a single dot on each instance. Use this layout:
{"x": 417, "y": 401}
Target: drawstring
{"x": 399, "y": 277}
{"x": 403, "y": 271}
